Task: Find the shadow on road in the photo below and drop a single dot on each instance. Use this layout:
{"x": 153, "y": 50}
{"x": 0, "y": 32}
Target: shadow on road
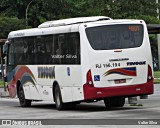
{"x": 84, "y": 107}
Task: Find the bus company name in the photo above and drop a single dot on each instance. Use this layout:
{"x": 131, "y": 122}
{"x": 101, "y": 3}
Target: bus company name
{"x": 119, "y": 59}
{"x": 19, "y": 34}
{"x": 46, "y": 72}
{"x": 136, "y": 63}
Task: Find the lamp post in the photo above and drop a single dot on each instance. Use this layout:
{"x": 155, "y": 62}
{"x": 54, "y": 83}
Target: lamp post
{"x": 157, "y": 10}
{"x": 158, "y": 38}
{"x": 27, "y": 12}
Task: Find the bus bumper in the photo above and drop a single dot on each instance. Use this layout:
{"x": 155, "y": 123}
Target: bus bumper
{"x": 126, "y": 91}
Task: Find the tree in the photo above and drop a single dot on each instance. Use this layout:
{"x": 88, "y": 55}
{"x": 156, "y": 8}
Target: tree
{"x": 8, "y": 24}
{"x": 44, "y": 10}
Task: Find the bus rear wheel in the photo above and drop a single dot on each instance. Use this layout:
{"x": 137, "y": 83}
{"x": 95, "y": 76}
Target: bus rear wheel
{"x": 114, "y": 102}
{"x": 58, "y": 99}
{"x": 59, "y": 103}
{"x": 23, "y": 102}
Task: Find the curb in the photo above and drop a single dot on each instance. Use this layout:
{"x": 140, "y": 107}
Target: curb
{"x": 3, "y": 93}
{"x": 156, "y": 78}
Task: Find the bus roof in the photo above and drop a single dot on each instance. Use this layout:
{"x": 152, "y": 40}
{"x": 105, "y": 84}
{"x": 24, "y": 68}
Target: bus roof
{"x": 66, "y": 25}
{"x": 71, "y": 21}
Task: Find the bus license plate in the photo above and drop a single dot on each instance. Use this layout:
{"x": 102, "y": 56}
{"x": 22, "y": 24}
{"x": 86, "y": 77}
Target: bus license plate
{"x": 120, "y": 81}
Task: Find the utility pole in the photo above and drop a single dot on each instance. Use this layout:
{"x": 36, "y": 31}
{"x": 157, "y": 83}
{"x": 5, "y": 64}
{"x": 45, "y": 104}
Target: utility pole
{"x": 158, "y": 38}
{"x": 157, "y": 10}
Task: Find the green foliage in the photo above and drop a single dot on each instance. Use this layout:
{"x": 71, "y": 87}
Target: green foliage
{"x": 154, "y": 45}
{"x": 8, "y": 24}
{"x": 147, "y": 18}
{"x": 1, "y": 83}
{"x": 157, "y": 77}
{"x": 44, "y": 10}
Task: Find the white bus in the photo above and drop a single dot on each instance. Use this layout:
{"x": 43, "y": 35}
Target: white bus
{"x": 80, "y": 60}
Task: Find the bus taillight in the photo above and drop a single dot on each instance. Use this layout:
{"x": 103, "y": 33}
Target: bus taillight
{"x": 149, "y": 77}
{"x": 89, "y": 78}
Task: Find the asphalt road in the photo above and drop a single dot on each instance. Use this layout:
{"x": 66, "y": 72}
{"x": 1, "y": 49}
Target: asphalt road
{"x": 150, "y": 110}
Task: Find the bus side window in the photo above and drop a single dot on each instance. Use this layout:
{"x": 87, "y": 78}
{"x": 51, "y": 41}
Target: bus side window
{"x": 55, "y": 47}
{"x": 11, "y": 54}
{"x": 30, "y": 52}
{"x": 75, "y": 49}
{"x": 48, "y": 49}
{"x": 60, "y": 49}
{"x": 18, "y": 51}
{"x": 66, "y": 48}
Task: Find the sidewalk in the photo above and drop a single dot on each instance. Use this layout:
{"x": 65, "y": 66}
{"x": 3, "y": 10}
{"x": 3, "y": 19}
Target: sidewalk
{"x": 3, "y": 93}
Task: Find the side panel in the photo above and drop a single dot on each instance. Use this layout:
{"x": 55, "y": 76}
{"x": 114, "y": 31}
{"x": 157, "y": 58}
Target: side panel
{"x": 46, "y": 92}
{"x": 66, "y": 93}
{"x": 37, "y": 81}
{"x": 34, "y": 91}
{"x": 25, "y": 76}
{"x": 69, "y": 80}
{"x": 61, "y": 48}
{"x": 27, "y": 92}
{"x": 77, "y": 93}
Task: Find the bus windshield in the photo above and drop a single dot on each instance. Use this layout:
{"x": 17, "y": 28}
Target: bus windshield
{"x": 119, "y": 36}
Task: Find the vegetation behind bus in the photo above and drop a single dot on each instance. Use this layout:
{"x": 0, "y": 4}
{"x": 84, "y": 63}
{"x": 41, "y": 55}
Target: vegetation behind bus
{"x": 1, "y": 83}
{"x": 157, "y": 77}
{"x": 13, "y": 13}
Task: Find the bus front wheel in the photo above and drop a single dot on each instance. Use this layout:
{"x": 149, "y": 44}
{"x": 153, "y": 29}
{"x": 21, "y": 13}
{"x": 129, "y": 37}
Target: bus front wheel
{"x": 23, "y": 102}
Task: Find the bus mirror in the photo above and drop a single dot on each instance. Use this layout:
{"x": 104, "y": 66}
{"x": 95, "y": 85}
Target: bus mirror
{"x": 5, "y": 49}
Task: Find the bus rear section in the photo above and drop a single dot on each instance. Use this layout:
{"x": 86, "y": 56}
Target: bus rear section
{"x": 119, "y": 62}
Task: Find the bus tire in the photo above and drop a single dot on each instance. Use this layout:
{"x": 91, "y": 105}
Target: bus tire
{"x": 58, "y": 99}
{"x": 121, "y": 102}
{"x": 114, "y": 102}
{"x": 23, "y": 102}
